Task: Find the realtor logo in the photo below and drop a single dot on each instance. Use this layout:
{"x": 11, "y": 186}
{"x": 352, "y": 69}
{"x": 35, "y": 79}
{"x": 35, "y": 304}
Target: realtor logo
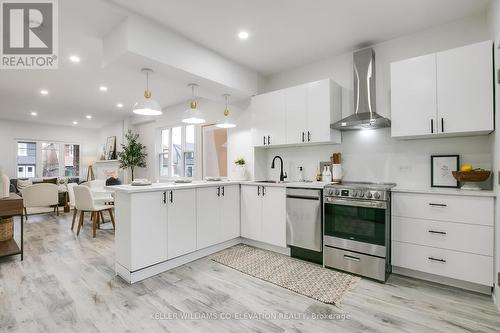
{"x": 29, "y": 34}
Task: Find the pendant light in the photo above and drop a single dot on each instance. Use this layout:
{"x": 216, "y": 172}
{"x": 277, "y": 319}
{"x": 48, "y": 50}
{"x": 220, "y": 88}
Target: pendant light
{"x": 227, "y": 122}
{"x": 147, "y": 106}
{"x": 193, "y": 115}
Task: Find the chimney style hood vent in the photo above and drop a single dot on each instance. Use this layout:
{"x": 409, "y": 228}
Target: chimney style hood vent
{"x": 364, "y": 116}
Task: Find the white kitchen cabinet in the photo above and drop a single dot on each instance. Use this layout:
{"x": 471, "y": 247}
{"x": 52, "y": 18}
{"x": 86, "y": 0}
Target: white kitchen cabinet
{"x": 263, "y": 214}
{"x": 465, "y": 89}
{"x": 181, "y": 219}
{"x": 274, "y": 216}
{"x": 413, "y": 97}
{"x": 448, "y": 93}
{"x": 269, "y": 118}
{"x": 297, "y": 115}
{"x": 218, "y": 210}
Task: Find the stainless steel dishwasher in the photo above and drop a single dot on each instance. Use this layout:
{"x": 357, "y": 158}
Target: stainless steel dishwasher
{"x": 304, "y": 231}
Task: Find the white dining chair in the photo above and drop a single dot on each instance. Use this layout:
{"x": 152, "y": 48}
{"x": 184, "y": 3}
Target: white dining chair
{"x": 41, "y": 195}
{"x": 71, "y": 195}
{"x": 84, "y": 202}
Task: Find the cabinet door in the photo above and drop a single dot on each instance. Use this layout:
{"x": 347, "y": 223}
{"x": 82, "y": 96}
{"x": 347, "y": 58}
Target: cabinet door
{"x": 465, "y": 89}
{"x": 259, "y": 128}
{"x": 413, "y": 97}
{"x": 230, "y": 213}
{"x": 208, "y": 216}
{"x": 296, "y": 114}
{"x": 181, "y": 222}
{"x": 274, "y": 216}
{"x": 148, "y": 240}
{"x": 275, "y": 117}
{"x": 251, "y": 212}
{"x": 319, "y": 111}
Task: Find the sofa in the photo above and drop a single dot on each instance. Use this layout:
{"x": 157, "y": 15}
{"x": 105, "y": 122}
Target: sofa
{"x": 61, "y": 182}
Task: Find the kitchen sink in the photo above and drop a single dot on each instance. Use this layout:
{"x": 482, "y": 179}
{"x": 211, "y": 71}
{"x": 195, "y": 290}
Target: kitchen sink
{"x": 270, "y": 181}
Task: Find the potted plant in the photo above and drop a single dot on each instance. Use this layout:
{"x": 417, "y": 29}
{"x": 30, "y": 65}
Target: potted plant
{"x": 133, "y": 154}
{"x": 240, "y": 169}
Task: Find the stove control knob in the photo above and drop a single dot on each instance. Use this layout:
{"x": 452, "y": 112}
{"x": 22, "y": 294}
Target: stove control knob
{"x": 377, "y": 195}
{"x": 354, "y": 193}
{"x": 361, "y": 194}
{"x": 369, "y": 195}
{"x": 337, "y": 192}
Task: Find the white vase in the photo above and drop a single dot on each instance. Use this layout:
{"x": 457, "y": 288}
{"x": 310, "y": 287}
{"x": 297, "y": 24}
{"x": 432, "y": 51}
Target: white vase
{"x": 4, "y": 185}
{"x": 337, "y": 172}
{"x": 240, "y": 172}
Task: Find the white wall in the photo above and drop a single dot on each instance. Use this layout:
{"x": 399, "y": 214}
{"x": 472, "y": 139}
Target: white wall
{"x": 238, "y": 138}
{"x": 11, "y": 131}
{"x": 494, "y": 24}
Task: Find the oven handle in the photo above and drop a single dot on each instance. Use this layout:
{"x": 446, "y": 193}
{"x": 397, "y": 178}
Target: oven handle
{"x": 356, "y": 203}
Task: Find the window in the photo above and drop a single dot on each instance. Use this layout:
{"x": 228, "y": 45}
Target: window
{"x": 26, "y": 159}
{"x": 51, "y": 158}
{"x": 177, "y": 155}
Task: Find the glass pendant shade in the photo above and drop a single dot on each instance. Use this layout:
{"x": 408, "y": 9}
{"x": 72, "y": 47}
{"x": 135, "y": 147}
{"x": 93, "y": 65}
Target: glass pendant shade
{"x": 147, "y": 106}
{"x": 193, "y": 115}
{"x": 227, "y": 121}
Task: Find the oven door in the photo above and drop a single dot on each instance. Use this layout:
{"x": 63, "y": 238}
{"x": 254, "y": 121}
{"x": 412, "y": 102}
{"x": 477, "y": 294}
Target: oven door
{"x": 356, "y": 220}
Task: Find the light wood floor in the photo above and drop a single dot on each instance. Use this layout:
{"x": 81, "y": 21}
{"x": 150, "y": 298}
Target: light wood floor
{"x": 67, "y": 284}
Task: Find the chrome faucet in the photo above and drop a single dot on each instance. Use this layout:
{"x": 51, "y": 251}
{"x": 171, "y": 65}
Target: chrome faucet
{"x": 282, "y": 175}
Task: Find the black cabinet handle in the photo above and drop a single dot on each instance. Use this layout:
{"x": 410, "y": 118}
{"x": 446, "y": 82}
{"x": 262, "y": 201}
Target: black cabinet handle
{"x": 264, "y": 140}
{"x": 432, "y": 125}
{"x": 308, "y": 136}
{"x": 164, "y": 197}
{"x": 171, "y": 196}
{"x": 218, "y": 191}
{"x": 442, "y": 125}
{"x": 258, "y": 190}
{"x": 436, "y": 259}
{"x": 263, "y": 191}
{"x": 437, "y": 205}
{"x": 268, "y": 140}
{"x": 303, "y": 136}
{"x": 222, "y": 190}
{"x": 437, "y": 232}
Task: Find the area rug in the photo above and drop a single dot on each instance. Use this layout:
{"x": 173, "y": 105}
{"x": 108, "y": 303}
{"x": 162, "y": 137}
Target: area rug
{"x": 308, "y": 279}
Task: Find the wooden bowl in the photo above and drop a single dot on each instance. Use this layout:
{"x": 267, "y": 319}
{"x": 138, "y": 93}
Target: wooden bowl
{"x": 471, "y": 176}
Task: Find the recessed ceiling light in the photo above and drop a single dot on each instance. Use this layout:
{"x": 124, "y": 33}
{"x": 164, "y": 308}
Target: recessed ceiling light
{"x": 88, "y": 116}
{"x": 119, "y": 105}
{"x": 33, "y": 113}
{"x": 44, "y": 92}
{"x": 243, "y": 35}
{"x": 103, "y": 88}
{"x": 75, "y": 123}
{"x": 74, "y": 58}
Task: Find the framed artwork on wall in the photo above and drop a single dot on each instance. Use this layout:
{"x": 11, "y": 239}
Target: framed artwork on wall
{"x": 110, "y": 152}
{"x": 442, "y": 167}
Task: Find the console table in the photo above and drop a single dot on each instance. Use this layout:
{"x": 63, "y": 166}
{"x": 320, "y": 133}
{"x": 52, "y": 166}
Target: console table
{"x": 12, "y": 207}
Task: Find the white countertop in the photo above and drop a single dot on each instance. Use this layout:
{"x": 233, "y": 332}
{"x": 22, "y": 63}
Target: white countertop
{"x": 202, "y": 183}
{"x": 445, "y": 191}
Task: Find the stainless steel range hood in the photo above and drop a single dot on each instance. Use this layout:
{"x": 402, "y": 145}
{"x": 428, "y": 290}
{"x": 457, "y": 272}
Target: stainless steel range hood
{"x": 364, "y": 116}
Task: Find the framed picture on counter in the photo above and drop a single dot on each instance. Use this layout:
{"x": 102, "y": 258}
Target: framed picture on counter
{"x": 441, "y": 170}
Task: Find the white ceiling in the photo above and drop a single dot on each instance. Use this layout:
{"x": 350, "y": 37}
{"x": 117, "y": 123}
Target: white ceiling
{"x": 284, "y": 34}
{"x": 288, "y": 33}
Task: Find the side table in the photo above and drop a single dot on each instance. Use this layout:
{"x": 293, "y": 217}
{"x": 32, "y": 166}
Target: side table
{"x": 12, "y": 207}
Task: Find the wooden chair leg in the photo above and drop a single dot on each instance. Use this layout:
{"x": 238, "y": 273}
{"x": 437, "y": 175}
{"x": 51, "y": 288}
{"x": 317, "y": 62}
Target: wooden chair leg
{"x": 80, "y": 223}
{"x": 57, "y": 210}
{"x": 102, "y": 216}
{"x": 94, "y": 224}
{"x": 74, "y": 218}
{"x": 26, "y": 213}
{"x": 112, "y": 217}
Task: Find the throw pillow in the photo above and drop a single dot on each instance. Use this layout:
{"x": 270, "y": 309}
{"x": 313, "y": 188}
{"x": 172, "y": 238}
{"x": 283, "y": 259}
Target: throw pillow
{"x": 50, "y": 180}
{"x": 22, "y": 184}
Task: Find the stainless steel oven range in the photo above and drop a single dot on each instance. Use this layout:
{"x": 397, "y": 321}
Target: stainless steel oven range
{"x": 357, "y": 228}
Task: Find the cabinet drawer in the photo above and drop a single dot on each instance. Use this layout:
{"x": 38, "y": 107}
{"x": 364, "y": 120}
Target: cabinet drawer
{"x": 370, "y": 266}
{"x": 457, "y": 265}
{"x": 477, "y": 239}
{"x": 465, "y": 209}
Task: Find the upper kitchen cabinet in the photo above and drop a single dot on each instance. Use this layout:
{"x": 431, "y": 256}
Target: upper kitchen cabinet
{"x": 449, "y": 93}
{"x": 269, "y": 126}
{"x": 300, "y": 115}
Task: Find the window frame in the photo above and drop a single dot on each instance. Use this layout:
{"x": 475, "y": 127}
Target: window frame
{"x": 160, "y": 152}
{"x": 38, "y": 159}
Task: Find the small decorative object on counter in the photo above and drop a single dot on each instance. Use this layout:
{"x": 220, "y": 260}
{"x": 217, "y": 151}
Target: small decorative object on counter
{"x": 240, "y": 170}
{"x": 4, "y": 184}
{"x": 327, "y": 174}
{"x": 318, "y": 176}
{"x": 336, "y": 173}
{"x": 442, "y": 167}
{"x": 336, "y": 158}
{"x": 470, "y": 177}
{"x": 301, "y": 174}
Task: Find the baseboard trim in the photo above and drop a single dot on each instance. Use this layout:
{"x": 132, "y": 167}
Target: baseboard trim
{"x": 142, "y": 274}
{"x": 443, "y": 280}
{"x": 265, "y": 246}
{"x": 496, "y": 296}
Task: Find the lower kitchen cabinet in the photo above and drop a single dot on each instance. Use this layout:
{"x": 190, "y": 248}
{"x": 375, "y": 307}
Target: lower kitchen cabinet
{"x": 181, "y": 217}
{"x": 263, "y": 214}
{"x": 218, "y": 211}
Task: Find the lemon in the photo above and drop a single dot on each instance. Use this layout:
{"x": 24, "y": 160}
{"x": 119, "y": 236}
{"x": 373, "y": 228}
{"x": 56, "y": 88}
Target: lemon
{"x": 466, "y": 168}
